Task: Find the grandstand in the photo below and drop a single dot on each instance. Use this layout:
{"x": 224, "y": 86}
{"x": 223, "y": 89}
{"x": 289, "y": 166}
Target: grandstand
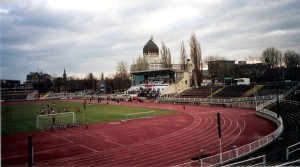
{"x": 233, "y": 91}
{"x": 273, "y": 88}
{"x": 200, "y": 92}
{"x": 154, "y": 83}
{"x": 14, "y": 95}
{"x": 13, "y": 90}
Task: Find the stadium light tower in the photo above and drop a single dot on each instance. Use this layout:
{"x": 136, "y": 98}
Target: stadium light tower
{"x": 220, "y": 135}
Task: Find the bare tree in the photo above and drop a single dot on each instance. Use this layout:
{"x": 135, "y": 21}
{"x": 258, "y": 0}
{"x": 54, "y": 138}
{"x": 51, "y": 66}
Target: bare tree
{"x": 291, "y": 59}
{"x": 183, "y": 57}
{"x": 109, "y": 83}
{"x": 271, "y": 56}
{"x": 121, "y": 79}
{"x": 213, "y": 58}
{"x": 165, "y": 56}
{"x": 90, "y": 82}
{"x": 122, "y": 68}
{"x": 102, "y": 77}
{"x": 141, "y": 64}
{"x": 292, "y": 62}
{"x": 169, "y": 59}
{"x": 253, "y": 59}
{"x": 196, "y": 57}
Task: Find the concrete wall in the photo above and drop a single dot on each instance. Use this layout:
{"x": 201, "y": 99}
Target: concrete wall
{"x": 178, "y": 87}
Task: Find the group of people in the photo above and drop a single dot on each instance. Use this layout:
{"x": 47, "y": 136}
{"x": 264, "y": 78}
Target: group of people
{"x": 48, "y": 109}
{"x": 51, "y": 110}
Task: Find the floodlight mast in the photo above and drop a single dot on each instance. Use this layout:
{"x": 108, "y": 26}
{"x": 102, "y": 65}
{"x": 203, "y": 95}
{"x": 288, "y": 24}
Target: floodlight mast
{"x": 220, "y": 136}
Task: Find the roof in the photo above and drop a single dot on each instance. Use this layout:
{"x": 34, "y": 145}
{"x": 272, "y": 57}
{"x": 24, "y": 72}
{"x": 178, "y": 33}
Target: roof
{"x": 150, "y": 47}
{"x": 165, "y": 70}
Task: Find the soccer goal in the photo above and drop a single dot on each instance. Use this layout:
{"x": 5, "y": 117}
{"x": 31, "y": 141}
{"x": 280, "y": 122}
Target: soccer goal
{"x": 138, "y": 115}
{"x": 60, "y": 119}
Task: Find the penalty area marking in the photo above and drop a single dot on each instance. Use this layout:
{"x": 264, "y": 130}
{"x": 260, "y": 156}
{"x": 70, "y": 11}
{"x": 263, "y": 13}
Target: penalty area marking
{"x": 67, "y": 140}
{"x": 51, "y": 134}
{"x": 107, "y": 140}
{"x": 87, "y": 148}
{"x": 92, "y": 136}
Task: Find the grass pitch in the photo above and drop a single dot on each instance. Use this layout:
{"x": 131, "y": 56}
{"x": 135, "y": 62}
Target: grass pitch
{"x": 21, "y": 118}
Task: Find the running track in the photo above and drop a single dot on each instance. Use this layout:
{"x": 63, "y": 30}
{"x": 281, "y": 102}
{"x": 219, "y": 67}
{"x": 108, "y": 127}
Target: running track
{"x": 161, "y": 141}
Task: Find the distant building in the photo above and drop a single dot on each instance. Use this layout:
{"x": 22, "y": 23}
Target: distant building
{"x": 221, "y": 69}
{"x": 242, "y": 62}
{"x": 38, "y": 81}
{"x": 34, "y": 77}
{"x": 102, "y": 87}
{"x": 151, "y": 54}
{"x": 176, "y": 66}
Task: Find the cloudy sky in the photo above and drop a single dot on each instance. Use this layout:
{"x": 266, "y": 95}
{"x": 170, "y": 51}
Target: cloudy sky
{"x": 93, "y": 36}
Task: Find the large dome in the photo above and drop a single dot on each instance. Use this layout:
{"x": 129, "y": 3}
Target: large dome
{"x": 150, "y": 47}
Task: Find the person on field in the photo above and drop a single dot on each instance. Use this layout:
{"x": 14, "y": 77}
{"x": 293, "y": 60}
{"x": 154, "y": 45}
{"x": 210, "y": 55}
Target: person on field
{"x": 53, "y": 119}
{"x": 86, "y": 125}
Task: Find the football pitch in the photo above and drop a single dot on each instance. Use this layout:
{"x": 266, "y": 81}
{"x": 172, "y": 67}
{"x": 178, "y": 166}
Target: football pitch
{"x": 21, "y": 118}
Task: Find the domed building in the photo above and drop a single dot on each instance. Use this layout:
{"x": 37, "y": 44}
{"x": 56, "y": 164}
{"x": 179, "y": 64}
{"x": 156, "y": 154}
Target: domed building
{"x": 151, "y": 48}
{"x": 151, "y": 54}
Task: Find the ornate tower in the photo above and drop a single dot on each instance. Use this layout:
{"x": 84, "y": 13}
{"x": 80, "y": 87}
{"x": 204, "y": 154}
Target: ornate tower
{"x": 151, "y": 54}
{"x": 65, "y": 80}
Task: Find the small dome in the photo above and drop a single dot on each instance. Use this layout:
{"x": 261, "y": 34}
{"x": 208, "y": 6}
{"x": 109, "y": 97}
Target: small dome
{"x": 150, "y": 47}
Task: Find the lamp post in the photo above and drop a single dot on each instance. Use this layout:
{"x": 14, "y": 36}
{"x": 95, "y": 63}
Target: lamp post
{"x": 211, "y": 94}
{"x": 188, "y": 69}
{"x": 200, "y": 153}
{"x": 187, "y": 64}
{"x": 234, "y": 151}
{"x": 255, "y": 96}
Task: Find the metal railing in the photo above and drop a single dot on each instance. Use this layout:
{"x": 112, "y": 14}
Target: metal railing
{"x": 234, "y": 154}
{"x": 292, "y": 90}
{"x": 257, "y": 98}
{"x": 292, "y": 163}
{"x": 291, "y": 149}
{"x": 291, "y": 102}
{"x": 263, "y": 163}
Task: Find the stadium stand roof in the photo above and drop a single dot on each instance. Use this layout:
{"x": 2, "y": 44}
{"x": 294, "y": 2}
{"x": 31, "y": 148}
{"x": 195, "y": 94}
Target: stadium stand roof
{"x": 150, "y": 47}
{"x": 165, "y": 70}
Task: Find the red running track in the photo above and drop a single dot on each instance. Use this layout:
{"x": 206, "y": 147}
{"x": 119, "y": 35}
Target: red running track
{"x": 161, "y": 141}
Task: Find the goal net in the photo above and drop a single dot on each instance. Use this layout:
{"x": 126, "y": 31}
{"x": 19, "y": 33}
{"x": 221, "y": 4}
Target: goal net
{"x": 60, "y": 118}
{"x": 131, "y": 116}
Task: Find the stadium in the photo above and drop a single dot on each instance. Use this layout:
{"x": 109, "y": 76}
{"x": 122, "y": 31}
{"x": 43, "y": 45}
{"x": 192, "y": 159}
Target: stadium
{"x": 251, "y": 127}
{"x": 162, "y": 119}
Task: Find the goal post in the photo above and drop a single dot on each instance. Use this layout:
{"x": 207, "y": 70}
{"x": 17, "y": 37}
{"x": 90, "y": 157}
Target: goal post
{"x": 138, "y": 115}
{"x": 60, "y": 118}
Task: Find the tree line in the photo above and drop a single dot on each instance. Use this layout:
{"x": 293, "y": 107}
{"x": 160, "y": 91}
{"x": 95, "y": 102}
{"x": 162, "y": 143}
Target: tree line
{"x": 271, "y": 65}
